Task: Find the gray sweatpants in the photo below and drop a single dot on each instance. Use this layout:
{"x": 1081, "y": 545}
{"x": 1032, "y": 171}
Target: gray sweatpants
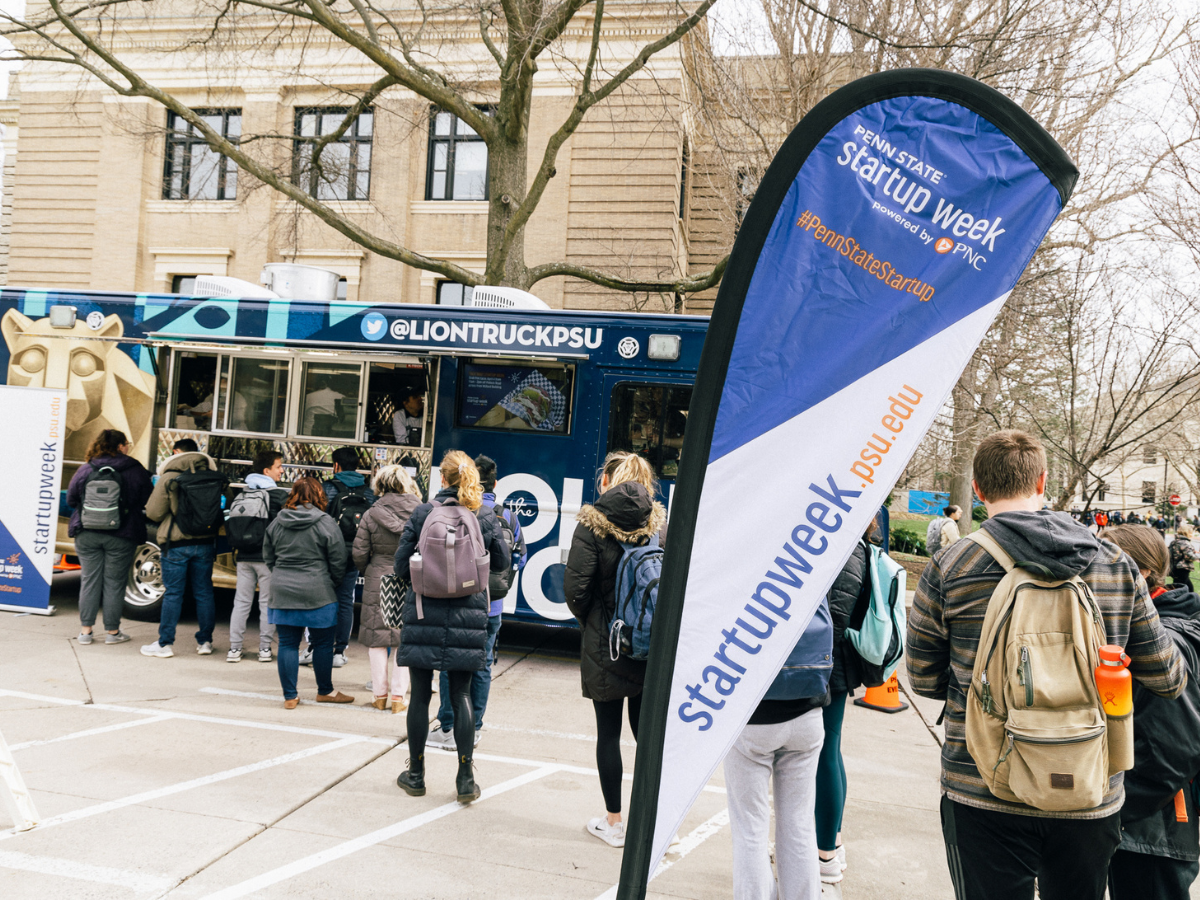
{"x": 249, "y": 574}
{"x": 104, "y": 561}
{"x": 787, "y": 752}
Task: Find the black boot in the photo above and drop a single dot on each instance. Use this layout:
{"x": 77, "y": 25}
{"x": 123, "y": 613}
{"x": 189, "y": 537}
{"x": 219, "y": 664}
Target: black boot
{"x": 468, "y": 790}
{"x": 413, "y": 781}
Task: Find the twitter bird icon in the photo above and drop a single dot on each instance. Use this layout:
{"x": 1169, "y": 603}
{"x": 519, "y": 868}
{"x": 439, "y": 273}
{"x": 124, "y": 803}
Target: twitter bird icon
{"x": 374, "y": 326}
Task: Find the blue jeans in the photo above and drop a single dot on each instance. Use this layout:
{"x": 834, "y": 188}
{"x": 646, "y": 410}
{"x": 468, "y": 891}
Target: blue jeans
{"x": 180, "y": 565}
{"x": 345, "y": 600}
{"x": 288, "y": 662}
{"x": 481, "y": 682}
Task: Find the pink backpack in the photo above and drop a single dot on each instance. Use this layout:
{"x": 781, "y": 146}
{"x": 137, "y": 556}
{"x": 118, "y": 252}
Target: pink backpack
{"x": 451, "y": 560}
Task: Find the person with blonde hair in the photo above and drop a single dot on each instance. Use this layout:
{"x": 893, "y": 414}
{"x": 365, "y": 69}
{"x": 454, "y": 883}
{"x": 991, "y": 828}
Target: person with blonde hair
{"x": 447, "y": 634}
{"x": 624, "y": 513}
{"x": 374, "y": 554}
{"x": 1183, "y": 555}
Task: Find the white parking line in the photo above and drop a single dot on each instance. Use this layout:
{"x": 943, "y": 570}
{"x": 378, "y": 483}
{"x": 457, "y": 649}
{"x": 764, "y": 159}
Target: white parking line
{"x": 80, "y": 871}
{"x": 89, "y": 732}
{"x": 695, "y": 838}
{"x": 146, "y": 796}
{"x": 308, "y": 863}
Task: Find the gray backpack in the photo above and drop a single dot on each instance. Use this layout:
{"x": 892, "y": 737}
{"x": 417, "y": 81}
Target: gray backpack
{"x": 933, "y": 535}
{"x": 451, "y": 560}
{"x": 102, "y": 508}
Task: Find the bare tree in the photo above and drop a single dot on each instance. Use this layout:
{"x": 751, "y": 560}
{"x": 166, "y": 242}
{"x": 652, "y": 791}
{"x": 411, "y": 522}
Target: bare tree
{"x": 406, "y": 48}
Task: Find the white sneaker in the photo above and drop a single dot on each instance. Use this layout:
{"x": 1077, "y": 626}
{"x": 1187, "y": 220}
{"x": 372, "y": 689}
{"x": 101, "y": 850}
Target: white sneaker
{"x": 204, "y": 649}
{"x": 264, "y": 655}
{"x": 306, "y": 657}
{"x": 613, "y": 835}
{"x": 441, "y": 738}
{"x": 339, "y": 660}
{"x": 157, "y": 649}
{"x": 234, "y": 654}
{"x": 831, "y": 871}
{"x": 841, "y": 855}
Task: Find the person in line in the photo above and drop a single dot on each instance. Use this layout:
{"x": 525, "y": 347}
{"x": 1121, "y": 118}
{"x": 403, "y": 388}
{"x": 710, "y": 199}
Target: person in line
{"x": 779, "y": 748}
{"x": 408, "y": 422}
{"x": 346, "y": 481}
{"x": 105, "y": 556}
{"x": 186, "y": 558}
{"x": 252, "y": 571}
{"x": 1183, "y": 555}
{"x": 625, "y": 512}
{"x": 481, "y": 681}
{"x": 307, "y": 557}
{"x": 374, "y": 555}
{"x": 1159, "y": 855}
{"x": 995, "y": 848}
{"x": 845, "y": 679}
{"x": 446, "y": 634}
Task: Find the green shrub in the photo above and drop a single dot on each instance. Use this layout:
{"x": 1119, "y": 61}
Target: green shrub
{"x": 906, "y": 540}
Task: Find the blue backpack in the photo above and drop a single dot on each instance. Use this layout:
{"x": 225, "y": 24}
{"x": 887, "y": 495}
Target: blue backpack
{"x": 638, "y": 575}
{"x": 807, "y": 669}
{"x": 877, "y": 625}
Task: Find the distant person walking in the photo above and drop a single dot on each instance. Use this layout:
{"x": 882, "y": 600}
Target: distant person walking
{"x": 108, "y": 532}
{"x": 374, "y": 555}
{"x": 1160, "y": 839}
{"x": 942, "y": 531}
{"x": 1183, "y": 555}
{"x": 998, "y": 848}
{"x": 188, "y": 514}
{"x": 307, "y": 556}
{"x": 846, "y": 677}
{"x": 252, "y": 570}
{"x": 625, "y": 512}
{"x": 448, "y": 634}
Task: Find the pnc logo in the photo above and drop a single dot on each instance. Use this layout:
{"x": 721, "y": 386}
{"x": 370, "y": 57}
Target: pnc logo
{"x": 944, "y": 245}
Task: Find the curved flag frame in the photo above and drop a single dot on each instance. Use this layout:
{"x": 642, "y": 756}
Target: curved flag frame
{"x": 699, "y": 453}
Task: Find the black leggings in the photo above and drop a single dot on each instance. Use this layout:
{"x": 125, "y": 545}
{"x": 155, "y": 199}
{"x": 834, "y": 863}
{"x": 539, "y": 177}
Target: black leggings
{"x": 418, "y": 711}
{"x": 608, "y": 745}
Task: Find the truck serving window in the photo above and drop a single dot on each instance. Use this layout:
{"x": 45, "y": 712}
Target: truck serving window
{"x": 195, "y": 385}
{"x": 516, "y": 395}
{"x": 648, "y": 419}
{"x": 258, "y": 389}
{"x": 329, "y": 400}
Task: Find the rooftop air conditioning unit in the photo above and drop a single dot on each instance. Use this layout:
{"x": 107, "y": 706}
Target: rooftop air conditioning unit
{"x": 298, "y": 282}
{"x": 224, "y": 286}
{"x": 488, "y": 297}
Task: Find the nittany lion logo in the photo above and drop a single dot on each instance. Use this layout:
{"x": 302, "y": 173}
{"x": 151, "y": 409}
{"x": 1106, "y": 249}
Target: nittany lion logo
{"x": 105, "y": 388}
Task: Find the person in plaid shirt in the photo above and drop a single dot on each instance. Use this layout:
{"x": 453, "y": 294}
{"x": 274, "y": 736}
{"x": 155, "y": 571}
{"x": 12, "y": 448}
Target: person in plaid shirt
{"x": 995, "y": 848}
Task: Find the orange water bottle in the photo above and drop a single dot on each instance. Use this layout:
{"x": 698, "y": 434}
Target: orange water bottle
{"x": 1114, "y": 681}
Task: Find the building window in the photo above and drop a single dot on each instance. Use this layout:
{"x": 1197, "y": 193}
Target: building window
{"x": 343, "y": 168}
{"x": 1102, "y": 491}
{"x": 1149, "y": 454}
{"x": 451, "y": 293}
{"x": 183, "y": 284}
{"x": 1149, "y": 488}
{"x": 458, "y": 160}
{"x": 193, "y": 170}
{"x": 683, "y": 179}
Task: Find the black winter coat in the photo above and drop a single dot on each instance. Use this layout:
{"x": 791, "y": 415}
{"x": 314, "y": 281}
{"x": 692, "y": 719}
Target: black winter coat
{"x": 842, "y": 598}
{"x": 453, "y": 634}
{"x": 622, "y": 513}
{"x": 1166, "y": 747}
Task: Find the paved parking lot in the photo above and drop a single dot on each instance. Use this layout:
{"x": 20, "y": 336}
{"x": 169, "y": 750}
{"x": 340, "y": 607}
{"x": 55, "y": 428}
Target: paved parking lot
{"x": 186, "y": 778}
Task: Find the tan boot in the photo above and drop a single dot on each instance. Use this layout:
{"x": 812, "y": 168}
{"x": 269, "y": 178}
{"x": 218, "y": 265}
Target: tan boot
{"x": 398, "y": 705}
{"x": 380, "y": 702}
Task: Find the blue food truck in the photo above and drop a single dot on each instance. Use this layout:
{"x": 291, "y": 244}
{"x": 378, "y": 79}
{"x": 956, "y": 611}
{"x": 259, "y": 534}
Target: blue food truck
{"x": 546, "y": 393}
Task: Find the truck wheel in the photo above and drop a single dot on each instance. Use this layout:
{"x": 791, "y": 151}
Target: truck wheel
{"x": 144, "y": 589}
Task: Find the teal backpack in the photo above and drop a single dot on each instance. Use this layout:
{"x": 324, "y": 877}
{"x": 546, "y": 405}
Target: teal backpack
{"x": 876, "y": 628}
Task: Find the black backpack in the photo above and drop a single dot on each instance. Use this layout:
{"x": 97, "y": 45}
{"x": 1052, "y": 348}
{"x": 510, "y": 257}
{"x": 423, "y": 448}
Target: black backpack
{"x": 103, "y": 506}
{"x": 348, "y": 508}
{"x": 198, "y": 496}
{"x": 499, "y": 583}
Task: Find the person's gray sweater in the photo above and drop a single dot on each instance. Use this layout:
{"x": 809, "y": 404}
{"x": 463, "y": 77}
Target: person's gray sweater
{"x": 306, "y": 553}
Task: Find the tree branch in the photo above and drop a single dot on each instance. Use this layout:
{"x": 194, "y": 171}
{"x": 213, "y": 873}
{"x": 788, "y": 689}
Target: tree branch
{"x": 688, "y": 285}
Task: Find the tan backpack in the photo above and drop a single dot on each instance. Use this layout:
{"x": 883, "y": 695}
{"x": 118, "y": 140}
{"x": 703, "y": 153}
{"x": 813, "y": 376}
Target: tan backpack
{"x": 1036, "y": 726}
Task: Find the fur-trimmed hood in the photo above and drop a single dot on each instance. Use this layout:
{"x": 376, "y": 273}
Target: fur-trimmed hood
{"x": 625, "y": 512}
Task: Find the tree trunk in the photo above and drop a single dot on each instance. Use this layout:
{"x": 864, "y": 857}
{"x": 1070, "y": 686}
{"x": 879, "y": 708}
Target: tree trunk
{"x": 963, "y": 455}
{"x": 507, "y": 181}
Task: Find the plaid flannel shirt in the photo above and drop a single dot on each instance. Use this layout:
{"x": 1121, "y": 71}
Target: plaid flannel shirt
{"x": 943, "y": 634}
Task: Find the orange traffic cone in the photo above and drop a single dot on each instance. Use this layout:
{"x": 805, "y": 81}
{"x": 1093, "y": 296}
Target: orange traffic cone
{"x": 885, "y": 698}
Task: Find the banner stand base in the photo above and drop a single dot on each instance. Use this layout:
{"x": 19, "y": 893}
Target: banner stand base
{"x": 33, "y": 610}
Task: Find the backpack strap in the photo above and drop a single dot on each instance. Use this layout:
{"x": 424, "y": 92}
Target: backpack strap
{"x": 994, "y": 550}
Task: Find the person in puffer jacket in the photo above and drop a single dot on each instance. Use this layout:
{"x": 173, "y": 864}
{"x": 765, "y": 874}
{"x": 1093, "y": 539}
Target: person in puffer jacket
{"x": 446, "y": 634}
{"x": 626, "y": 511}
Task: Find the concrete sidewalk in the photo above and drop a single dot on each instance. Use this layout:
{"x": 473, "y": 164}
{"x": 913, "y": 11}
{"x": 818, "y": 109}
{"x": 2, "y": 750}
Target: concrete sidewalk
{"x": 186, "y": 778}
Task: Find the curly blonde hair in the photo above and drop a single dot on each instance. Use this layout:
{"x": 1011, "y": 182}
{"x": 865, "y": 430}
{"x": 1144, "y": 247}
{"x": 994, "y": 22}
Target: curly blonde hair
{"x": 394, "y": 480}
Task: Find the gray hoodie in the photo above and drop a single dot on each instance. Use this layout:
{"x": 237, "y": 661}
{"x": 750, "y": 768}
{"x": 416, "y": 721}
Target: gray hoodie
{"x": 307, "y": 556}
{"x": 1046, "y": 542}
